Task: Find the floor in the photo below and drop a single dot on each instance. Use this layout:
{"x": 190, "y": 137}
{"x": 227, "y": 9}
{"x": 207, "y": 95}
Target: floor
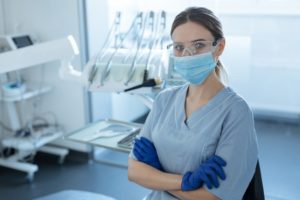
{"x": 279, "y": 160}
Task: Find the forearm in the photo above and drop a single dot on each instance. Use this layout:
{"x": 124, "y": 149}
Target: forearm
{"x": 152, "y": 178}
{"x": 193, "y": 195}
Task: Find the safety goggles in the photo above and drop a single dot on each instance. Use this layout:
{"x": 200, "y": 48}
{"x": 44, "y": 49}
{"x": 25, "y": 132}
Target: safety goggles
{"x": 191, "y": 48}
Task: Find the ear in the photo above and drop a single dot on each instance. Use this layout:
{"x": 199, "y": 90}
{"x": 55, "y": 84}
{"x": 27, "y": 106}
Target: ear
{"x": 220, "y": 48}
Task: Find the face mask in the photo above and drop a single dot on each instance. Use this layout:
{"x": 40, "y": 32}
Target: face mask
{"x": 195, "y": 69}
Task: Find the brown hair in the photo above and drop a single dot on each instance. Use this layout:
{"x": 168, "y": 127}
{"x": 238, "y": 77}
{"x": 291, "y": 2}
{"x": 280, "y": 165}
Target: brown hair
{"x": 206, "y": 18}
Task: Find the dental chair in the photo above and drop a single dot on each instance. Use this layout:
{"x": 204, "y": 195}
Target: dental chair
{"x": 75, "y": 195}
{"x": 255, "y": 190}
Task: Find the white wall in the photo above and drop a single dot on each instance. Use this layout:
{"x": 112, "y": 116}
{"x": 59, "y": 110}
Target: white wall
{"x": 47, "y": 20}
{"x": 271, "y": 71}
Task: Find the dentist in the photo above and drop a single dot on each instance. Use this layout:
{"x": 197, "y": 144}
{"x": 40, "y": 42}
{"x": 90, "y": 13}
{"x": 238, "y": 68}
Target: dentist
{"x": 199, "y": 140}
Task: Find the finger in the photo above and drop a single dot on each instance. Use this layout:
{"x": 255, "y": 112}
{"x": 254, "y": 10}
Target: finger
{"x": 140, "y": 149}
{"x": 137, "y": 155}
{"x": 147, "y": 142}
{"x": 205, "y": 178}
{"x": 219, "y": 160}
{"x": 218, "y": 169}
{"x": 141, "y": 146}
{"x": 212, "y": 176}
{"x": 187, "y": 182}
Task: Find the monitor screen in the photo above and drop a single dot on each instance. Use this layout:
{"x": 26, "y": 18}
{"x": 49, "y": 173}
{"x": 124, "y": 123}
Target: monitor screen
{"x": 22, "y": 41}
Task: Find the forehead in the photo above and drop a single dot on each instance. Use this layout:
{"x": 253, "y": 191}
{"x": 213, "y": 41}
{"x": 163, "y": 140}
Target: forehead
{"x": 191, "y": 31}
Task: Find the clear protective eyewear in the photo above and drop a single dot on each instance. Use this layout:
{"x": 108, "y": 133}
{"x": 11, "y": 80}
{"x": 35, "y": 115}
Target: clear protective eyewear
{"x": 192, "y": 48}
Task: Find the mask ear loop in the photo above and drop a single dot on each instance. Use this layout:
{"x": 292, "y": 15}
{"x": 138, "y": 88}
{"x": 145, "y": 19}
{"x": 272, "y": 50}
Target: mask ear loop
{"x": 219, "y": 64}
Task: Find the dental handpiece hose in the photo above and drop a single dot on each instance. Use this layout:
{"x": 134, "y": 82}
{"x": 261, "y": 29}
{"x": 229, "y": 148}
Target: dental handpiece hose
{"x": 149, "y": 83}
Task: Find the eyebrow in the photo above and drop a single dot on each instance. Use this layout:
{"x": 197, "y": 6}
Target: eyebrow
{"x": 199, "y": 40}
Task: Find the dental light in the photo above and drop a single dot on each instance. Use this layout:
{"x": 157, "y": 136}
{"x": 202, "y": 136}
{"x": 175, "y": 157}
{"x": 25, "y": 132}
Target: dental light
{"x": 61, "y": 49}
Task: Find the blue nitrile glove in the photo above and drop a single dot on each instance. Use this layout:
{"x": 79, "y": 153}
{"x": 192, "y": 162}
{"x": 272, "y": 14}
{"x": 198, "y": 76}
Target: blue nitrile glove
{"x": 207, "y": 173}
{"x": 144, "y": 150}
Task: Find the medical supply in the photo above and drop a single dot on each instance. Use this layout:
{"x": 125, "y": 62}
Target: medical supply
{"x": 144, "y": 150}
{"x": 112, "y": 130}
{"x": 127, "y": 142}
{"x": 196, "y": 68}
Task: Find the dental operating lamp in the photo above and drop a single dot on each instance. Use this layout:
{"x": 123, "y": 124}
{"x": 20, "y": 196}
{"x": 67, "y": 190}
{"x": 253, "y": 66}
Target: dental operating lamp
{"x": 61, "y": 49}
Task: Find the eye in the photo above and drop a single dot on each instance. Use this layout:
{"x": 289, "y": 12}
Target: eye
{"x": 178, "y": 47}
{"x": 199, "y": 45}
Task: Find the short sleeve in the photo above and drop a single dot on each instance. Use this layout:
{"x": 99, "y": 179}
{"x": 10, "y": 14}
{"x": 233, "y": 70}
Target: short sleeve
{"x": 147, "y": 127}
{"x": 238, "y": 147}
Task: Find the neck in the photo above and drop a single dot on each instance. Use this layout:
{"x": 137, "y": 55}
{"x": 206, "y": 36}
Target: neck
{"x": 209, "y": 88}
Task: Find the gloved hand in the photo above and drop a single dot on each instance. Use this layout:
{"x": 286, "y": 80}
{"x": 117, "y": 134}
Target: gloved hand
{"x": 144, "y": 150}
{"x": 207, "y": 173}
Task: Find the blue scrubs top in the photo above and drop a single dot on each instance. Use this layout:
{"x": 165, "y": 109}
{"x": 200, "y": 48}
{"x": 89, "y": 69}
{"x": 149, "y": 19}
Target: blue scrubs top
{"x": 224, "y": 126}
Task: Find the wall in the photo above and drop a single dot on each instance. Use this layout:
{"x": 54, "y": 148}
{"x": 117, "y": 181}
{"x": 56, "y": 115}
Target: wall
{"x": 47, "y": 20}
{"x": 271, "y": 74}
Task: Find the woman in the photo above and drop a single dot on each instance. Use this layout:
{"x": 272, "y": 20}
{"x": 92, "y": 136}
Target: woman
{"x": 199, "y": 140}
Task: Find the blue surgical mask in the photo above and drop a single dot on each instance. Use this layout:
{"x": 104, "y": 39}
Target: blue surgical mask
{"x": 195, "y": 69}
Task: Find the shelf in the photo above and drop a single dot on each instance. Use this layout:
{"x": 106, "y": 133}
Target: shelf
{"x": 94, "y": 134}
{"x": 30, "y": 93}
{"x": 30, "y": 143}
